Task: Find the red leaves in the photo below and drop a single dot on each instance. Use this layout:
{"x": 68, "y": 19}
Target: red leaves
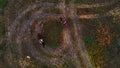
{"x": 104, "y": 36}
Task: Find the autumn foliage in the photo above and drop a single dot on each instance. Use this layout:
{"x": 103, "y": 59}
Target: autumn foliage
{"x": 104, "y": 35}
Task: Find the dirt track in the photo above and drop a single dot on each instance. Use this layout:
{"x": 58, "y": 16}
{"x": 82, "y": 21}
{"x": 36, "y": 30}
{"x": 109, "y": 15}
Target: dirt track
{"x": 19, "y": 32}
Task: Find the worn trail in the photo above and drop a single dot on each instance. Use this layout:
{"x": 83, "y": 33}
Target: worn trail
{"x": 23, "y": 31}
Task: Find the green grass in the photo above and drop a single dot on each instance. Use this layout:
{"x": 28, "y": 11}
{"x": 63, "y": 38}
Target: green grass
{"x": 75, "y": 1}
{"x": 100, "y": 55}
{"x": 2, "y": 37}
{"x": 2, "y": 28}
{"x": 52, "y": 10}
{"x": 91, "y": 1}
{"x": 44, "y": 65}
{"x": 78, "y": 1}
{"x": 3, "y": 3}
{"x": 2, "y": 41}
{"x": 69, "y": 64}
{"x": 52, "y": 1}
{"x": 36, "y": 64}
{"x": 89, "y": 39}
{"x": 13, "y": 50}
{"x": 52, "y": 30}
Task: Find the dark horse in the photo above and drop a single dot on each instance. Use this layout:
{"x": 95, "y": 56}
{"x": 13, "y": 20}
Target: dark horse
{"x": 41, "y": 40}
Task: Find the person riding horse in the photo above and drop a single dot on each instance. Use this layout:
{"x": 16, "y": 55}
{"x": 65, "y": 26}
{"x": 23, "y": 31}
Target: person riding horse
{"x": 63, "y": 21}
{"x": 41, "y": 40}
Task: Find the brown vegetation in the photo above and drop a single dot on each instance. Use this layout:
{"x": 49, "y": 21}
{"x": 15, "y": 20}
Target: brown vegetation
{"x": 104, "y": 36}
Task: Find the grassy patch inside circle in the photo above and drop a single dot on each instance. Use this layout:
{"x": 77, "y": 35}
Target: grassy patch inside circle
{"x": 52, "y": 30}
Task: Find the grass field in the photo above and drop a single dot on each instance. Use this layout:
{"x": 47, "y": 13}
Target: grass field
{"x": 99, "y": 45}
{"x": 3, "y": 3}
{"x": 101, "y": 36}
{"x": 52, "y": 31}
